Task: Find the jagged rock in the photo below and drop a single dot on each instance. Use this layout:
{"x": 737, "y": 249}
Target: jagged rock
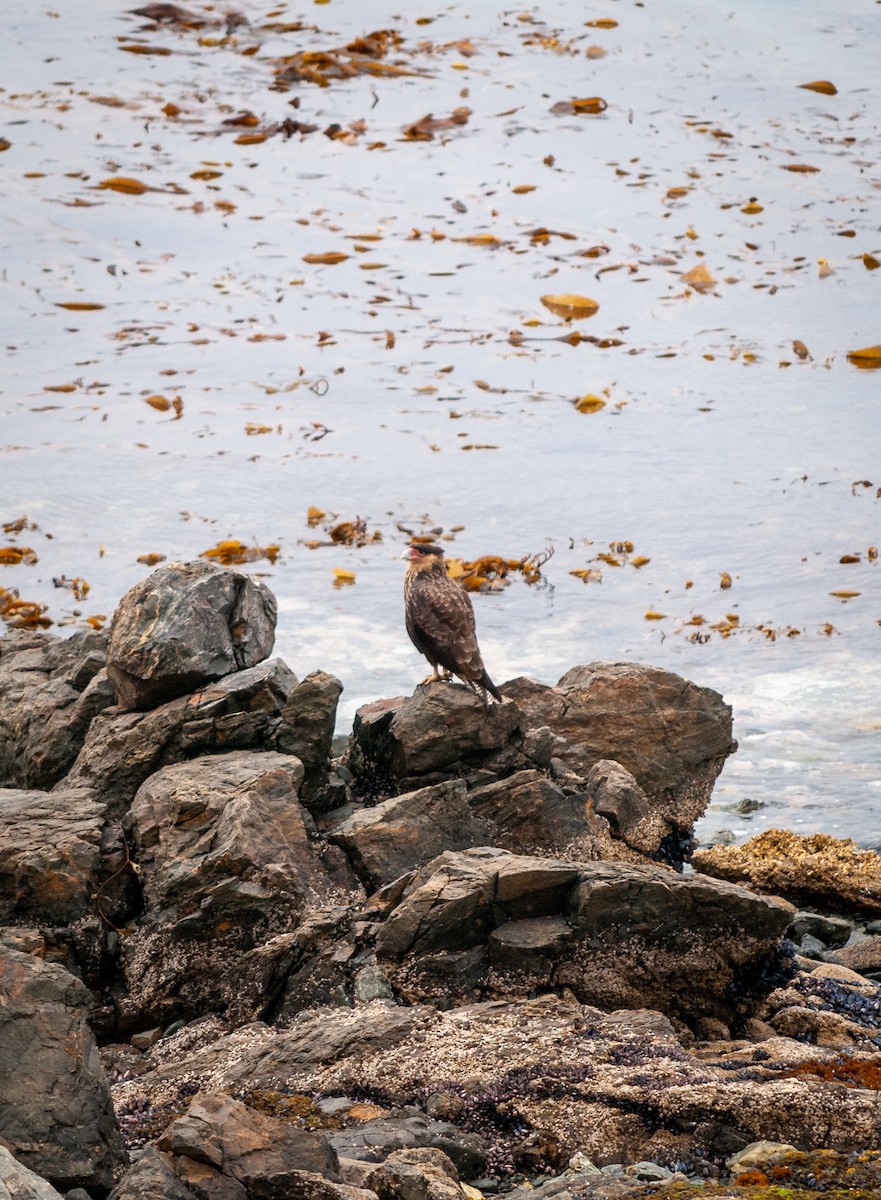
{"x": 227, "y": 860}
{"x": 185, "y": 625}
{"x": 315, "y": 964}
{"x": 419, "y": 1174}
{"x": 457, "y": 899}
{"x": 617, "y": 935}
{"x": 529, "y": 814}
{"x": 406, "y": 831}
{"x": 223, "y": 1150}
{"x": 438, "y": 728}
{"x": 671, "y": 735}
{"x": 617, "y": 796}
{"x": 50, "y": 853}
{"x": 55, "y": 1108}
{"x": 151, "y": 1178}
{"x": 306, "y": 730}
{"x": 50, "y": 689}
{"x": 264, "y": 1155}
{"x": 810, "y": 869}
{"x": 240, "y": 712}
{"x": 18, "y": 1183}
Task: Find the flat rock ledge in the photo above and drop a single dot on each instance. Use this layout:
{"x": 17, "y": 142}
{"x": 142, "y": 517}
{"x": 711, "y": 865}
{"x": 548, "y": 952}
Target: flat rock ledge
{"x": 464, "y": 957}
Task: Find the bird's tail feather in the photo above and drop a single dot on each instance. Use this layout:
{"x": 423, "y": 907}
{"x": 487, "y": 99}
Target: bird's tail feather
{"x": 486, "y": 683}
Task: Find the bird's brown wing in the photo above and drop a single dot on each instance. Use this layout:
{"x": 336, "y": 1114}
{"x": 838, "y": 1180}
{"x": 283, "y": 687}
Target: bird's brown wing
{"x": 440, "y": 622}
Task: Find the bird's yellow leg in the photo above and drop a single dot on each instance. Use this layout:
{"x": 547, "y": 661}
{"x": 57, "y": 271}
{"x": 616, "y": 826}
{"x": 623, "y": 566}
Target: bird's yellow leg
{"x": 437, "y": 676}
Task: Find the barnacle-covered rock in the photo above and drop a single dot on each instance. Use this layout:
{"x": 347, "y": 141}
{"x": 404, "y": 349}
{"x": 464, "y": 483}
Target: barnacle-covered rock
{"x": 617, "y": 935}
{"x": 809, "y": 869}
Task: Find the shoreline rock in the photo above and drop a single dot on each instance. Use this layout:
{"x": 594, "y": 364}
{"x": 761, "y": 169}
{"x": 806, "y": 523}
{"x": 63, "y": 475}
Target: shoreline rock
{"x": 459, "y": 959}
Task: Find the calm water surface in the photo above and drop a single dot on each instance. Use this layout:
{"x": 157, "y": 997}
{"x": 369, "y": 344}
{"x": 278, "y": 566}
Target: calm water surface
{"x": 420, "y": 383}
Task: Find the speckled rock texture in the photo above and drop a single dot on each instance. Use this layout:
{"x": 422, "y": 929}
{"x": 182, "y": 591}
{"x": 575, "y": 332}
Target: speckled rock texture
{"x": 19, "y": 1183}
{"x": 56, "y": 1113}
{"x": 50, "y": 690}
{"x": 227, "y": 861}
{"x": 807, "y": 869}
{"x": 619, "y": 1087}
{"x": 50, "y": 854}
{"x": 185, "y": 625}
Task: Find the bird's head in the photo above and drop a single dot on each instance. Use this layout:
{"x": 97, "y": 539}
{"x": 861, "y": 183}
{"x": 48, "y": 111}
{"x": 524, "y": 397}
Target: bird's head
{"x": 420, "y": 550}
{"x": 423, "y": 554}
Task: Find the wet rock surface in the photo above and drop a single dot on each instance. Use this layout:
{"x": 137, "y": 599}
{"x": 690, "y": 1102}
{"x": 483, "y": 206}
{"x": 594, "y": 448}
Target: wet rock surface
{"x": 458, "y": 957}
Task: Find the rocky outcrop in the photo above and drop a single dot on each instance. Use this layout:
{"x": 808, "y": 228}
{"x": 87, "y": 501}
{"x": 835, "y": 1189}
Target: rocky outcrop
{"x": 254, "y": 709}
{"x": 655, "y": 743}
{"x": 613, "y": 934}
{"x": 185, "y": 625}
{"x": 56, "y": 1113}
{"x": 670, "y": 735}
{"x": 50, "y": 690}
{"x": 450, "y": 959}
{"x": 807, "y": 869}
{"x": 227, "y": 859}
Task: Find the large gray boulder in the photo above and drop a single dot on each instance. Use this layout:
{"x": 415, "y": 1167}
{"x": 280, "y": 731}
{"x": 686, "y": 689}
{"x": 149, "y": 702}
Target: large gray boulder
{"x": 18, "y": 1183}
{"x": 50, "y": 689}
{"x": 671, "y": 735}
{"x": 228, "y": 860}
{"x": 441, "y": 729}
{"x": 614, "y": 934}
{"x": 185, "y": 625}
{"x": 55, "y": 1108}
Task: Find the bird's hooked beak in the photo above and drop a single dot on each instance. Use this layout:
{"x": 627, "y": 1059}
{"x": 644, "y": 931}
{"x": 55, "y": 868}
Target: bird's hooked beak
{"x": 413, "y": 553}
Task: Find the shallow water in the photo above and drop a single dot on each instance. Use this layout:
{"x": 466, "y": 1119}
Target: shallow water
{"x": 719, "y": 448}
